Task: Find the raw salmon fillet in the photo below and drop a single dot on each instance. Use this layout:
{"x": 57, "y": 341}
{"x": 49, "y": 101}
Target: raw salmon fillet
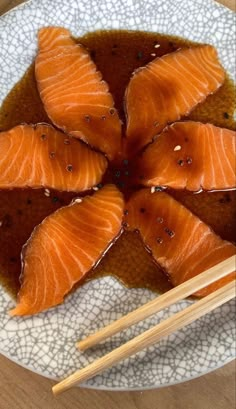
{"x": 168, "y": 88}
{"x": 40, "y": 156}
{"x": 181, "y": 244}
{"x": 65, "y": 246}
{"x": 191, "y": 155}
{"x": 74, "y": 95}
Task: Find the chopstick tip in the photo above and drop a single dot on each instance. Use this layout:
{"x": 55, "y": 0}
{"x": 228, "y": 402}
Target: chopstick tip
{"x": 63, "y": 385}
{"x": 56, "y": 390}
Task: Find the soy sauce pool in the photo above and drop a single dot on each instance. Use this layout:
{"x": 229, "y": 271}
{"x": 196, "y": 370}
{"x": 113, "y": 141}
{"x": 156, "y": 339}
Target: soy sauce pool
{"x": 117, "y": 54}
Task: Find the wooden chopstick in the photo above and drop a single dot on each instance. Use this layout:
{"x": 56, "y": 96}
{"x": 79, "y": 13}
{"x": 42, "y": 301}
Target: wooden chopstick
{"x": 159, "y": 303}
{"x": 151, "y": 336}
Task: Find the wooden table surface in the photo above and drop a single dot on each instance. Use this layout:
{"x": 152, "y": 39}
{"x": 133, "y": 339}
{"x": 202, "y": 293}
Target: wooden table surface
{"x": 21, "y": 389}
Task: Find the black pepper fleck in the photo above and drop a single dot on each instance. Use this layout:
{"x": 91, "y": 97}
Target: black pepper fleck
{"x": 121, "y": 184}
{"x": 225, "y": 199}
{"x": 93, "y": 54}
{"x": 7, "y": 221}
{"x": 139, "y": 55}
{"x": 87, "y": 118}
{"x": 69, "y": 168}
{"x": 169, "y": 232}
{"x": 112, "y": 111}
{"x": 180, "y": 162}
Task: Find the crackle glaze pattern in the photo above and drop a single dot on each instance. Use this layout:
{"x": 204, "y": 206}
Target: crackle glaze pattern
{"x": 46, "y": 343}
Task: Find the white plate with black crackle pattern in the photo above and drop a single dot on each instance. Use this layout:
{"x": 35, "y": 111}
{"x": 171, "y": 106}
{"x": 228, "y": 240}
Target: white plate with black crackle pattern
{"x": 46, "y": 343}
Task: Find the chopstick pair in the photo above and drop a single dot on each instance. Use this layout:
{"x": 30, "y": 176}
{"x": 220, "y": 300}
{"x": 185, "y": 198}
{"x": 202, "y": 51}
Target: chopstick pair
{"x": 164, "y": 328}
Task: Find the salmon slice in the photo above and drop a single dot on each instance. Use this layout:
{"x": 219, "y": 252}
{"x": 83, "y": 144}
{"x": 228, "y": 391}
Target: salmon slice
{"x": 40, "y": 156}
{"x": 181, "y": 244}
{"x": 65, "y": 246}
{"x": 168, "y": 88}
{"x": 191, "y": 155}
{"x": 74, "y": 95}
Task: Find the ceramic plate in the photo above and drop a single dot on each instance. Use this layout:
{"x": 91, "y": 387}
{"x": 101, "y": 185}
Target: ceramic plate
{"x": 46, "y": 343}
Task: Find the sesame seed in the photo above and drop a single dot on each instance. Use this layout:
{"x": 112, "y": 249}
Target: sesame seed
{"x": 153, "y": 54}
{"x": 152, "y": 189}
{"x": 1, "y": 223}
{"x": 177, "y": 148}
{"x": 157, "y": 45}
{"x": 95, "y": 188}
{"x": 47, "y": 192}
{"x": 77, "y": 200}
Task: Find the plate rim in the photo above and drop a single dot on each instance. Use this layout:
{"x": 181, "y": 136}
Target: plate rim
{"x": 97, "y": 387}
{"x": 118, "y": 389}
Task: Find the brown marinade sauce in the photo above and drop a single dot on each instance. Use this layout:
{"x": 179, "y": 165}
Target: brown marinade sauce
{"x": 117, "y": 54}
